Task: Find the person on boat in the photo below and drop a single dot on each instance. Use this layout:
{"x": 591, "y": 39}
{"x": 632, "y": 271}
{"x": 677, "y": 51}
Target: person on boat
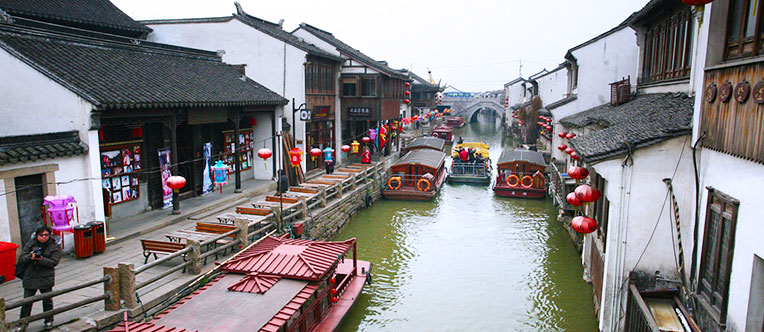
{"x": 471, "y": 154}
{"x": 366, "y": 155}
{"x": 459, "y": 141}
{"x": 464, "y": 155}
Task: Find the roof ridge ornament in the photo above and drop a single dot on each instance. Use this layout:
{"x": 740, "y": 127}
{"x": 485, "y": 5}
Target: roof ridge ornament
{"x": 5, "y": 17}
{"x": 239, "y": 10}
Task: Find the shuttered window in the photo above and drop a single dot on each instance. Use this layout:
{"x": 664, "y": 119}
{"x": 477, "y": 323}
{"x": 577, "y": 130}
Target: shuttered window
{"x": 744, "y": 33}
{"x": 667, "y": 50}
{"x": 716, "y": 257}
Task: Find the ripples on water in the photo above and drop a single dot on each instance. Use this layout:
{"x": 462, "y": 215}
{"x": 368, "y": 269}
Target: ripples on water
{"x": 468, "y": 261}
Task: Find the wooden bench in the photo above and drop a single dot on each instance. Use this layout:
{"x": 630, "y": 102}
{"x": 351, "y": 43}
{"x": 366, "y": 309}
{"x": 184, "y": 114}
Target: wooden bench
{"x": 285, "y": 200}
{"x": 252, "y": 211}
{"x": 304, "y": 190}
{"x": 214, "y": 228}
{"x": 153, "y": 247}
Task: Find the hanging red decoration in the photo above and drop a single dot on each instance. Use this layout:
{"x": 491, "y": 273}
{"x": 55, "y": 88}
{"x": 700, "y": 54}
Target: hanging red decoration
{"x": 264, "y": 153}
{"x": 366, "y": 139}
{"x": 295, "y": 157}
{"x": 578, "y": 173}
{"x": 406, "y": 101}
{"x": 315, "y": 153}
{"x": 334, "y": 291}
{"x": 176, "y": 182}
{"x": 562, "y": 147}
{"x": 334, "y": 299}
{"x": 407, "y": 92}
{"x": 574, "y": 155}
{"x": 562, "y": 134}
{"x": 100, "y": 134}
{"x": 570, "y": 135}
{"x": 548, "y": 120}
{"x": 573, "y": 200}
{"x": 345, "y": 148}
{"x": 407, "y": 84}
{"x": 252, "y": 121}
{"x": 696, "y": 2}
{"x": 583, "y": 224}
{"x": 334, "y": 281}
{"x": 137, "y": 132}
{"x": 569, "y": 150}
{"x": 587, "y": 193}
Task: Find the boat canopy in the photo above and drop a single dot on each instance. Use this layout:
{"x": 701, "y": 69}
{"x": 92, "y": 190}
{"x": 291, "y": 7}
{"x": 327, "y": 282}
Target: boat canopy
{"x": 533, "y": 157}
{"x": 425, "y": 157}
{"x": 427, "y": 142}
{"x": 481, "y": 148}
{"x": 443, "y": 128}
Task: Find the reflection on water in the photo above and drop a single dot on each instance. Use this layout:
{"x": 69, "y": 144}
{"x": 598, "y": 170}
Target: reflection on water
{"x": 468, "y": 261}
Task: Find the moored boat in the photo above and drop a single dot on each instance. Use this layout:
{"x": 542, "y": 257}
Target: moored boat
{"x": 469, "y": 167}
{"x": 455, "y": 121}
{"x": 312, "y": 289}
{"x": 425, "y": 142}
{"x": 521, "y": 174}
{"x": 417, "y": 176}
{"x": 445, "y": 132}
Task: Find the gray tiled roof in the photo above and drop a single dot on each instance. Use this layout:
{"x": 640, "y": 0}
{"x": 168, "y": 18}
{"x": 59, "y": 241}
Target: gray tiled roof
{"x": 277, "y": 32}
{"x": 94, "y": 13}
{"x": 644, "y": 121}
{"x": 425, "y": 157}
{"x": 27, "y": 148}
{"x": 351, "y": 52}
{"x": 428, "y": 142}
{"x": 113, "y": 74}
{"x": 533, "y": 157}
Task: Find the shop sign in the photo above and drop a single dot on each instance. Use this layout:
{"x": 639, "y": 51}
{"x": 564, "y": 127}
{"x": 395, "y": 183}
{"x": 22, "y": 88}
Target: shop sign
{"x": 164, "y": 166}
{"x": 359, "y": 111}
{"x": 320, "y": 113}
{"x": 207, "y": 185}
{"x": 304, "y": 115}
{"x": 202, "y": 116}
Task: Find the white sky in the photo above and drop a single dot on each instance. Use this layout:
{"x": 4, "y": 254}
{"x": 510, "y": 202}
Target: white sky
{"x": 472, "y": 45}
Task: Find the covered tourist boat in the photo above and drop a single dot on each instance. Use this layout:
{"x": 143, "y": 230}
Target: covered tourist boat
{"x": 417, "y": 176}
{"x": 274, "y": 285}
{"x": 455, "y": 121}
{"x": 445, "y": 132}
{"x": 470, "y": 163}
{"x": 425, "y": 142}
{"x": 521, "y": 174}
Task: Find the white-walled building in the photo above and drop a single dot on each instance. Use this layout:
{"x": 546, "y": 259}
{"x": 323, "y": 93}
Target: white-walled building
{"x": 282, "y": 62}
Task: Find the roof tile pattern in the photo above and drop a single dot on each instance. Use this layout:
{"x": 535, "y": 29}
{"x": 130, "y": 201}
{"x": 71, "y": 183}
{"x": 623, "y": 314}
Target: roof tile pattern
{"x": 277, "y": 32}
{"x": 100, "y": 13}
{"x": 145, "y": 327}
{"x": 27, "y": 148}
{"x": 644, "y": 121}
{"x": 425, "y": 157}
{"x": 533, "y": 157}
{"x": 428, "y": 142}
{"x": 255, "y": 283}
{"x": 297, "y": 259}
{"x": 121, "y": 75}
{"x": 289, "y": 309}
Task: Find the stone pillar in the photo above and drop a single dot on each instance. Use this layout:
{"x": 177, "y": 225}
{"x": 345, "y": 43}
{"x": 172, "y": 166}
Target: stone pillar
{"x": 323, "y": 197}
{"x": 277, "y": 214}
{"x": 3, "y": 328}
{"x": 354, "y": 179}
{"x": 340, "y": 188}
{"x": 243, "y": 236}
{"x": 127, "y": 284}
{"x": 112, "y": 288}
{"x": 193, "y": 256}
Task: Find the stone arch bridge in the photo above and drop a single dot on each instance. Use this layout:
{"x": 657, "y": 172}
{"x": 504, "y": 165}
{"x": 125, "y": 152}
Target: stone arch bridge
{"x": 468, "y": 108}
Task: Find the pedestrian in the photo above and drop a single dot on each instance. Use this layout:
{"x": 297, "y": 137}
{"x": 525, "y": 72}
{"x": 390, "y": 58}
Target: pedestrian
{"x": 40, "y": 256}
{"x": 329, "y": 159}
{"x": 366, "y": 155}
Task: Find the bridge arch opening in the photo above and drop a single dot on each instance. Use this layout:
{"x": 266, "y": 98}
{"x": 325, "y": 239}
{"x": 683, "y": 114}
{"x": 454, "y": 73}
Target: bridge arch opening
{"x": 485, "y": 110}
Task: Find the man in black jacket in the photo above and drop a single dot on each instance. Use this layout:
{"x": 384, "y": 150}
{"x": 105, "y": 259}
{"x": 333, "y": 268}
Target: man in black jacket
{"x": 41, "y": 256}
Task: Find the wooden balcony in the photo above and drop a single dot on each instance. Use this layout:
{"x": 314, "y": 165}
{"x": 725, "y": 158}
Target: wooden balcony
{"x": 732, "y": 111}
{"x": 656, "y": 311}
{"x": 561, "y": 185}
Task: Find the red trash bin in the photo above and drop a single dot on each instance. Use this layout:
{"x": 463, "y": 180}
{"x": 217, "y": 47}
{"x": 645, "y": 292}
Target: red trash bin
{"x": 7, "y": 260}
{"x": 99, "y": 238}
{"x": 83, "y": 241}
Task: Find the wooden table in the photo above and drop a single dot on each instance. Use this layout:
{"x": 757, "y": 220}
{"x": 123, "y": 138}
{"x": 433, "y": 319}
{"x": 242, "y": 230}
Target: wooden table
{"x": 229, "y": 217}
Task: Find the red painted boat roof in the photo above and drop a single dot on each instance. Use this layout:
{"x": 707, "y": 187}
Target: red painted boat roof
{"x": 297, "y": 259}
{"x": 145, "y": 327}
{"x": 289, "y": 309}
{"x": 255, "y": 283}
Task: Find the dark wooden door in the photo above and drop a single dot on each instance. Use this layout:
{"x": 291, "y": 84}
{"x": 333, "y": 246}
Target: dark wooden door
{"x": 29, "y": 202}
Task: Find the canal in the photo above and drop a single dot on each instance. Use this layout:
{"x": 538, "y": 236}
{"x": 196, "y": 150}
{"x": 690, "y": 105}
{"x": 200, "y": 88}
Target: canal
{"x": 468, "y": 261}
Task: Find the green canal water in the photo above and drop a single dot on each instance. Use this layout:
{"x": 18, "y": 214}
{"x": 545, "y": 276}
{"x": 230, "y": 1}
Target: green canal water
{"x": 468, "y": 261}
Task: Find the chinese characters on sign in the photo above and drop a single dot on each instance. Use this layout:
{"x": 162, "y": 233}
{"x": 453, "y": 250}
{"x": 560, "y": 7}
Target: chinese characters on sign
{"x": 359, "y": 111}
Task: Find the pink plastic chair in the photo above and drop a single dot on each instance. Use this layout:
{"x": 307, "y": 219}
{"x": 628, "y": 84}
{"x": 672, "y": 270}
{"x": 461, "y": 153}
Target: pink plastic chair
{"x": 60, "y": 210}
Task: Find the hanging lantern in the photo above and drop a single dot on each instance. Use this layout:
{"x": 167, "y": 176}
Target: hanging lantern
{"x": 587, "y": 193}
{"x": 334, "y": 299}
{"x": 562, "y": 147}
{"x": 372, "y": 134}
{"x": 295, "y": 157}
{"x": 356, "y": 147}
{"x": 264, "y": 153}
{"x": 220, "y": 173}
{"x": 569, "y": 150}
{"x": 574, "y": 155}
{"x": 345, "y": 148}
{"x": 366, "y": 139}
{"x": 407, "y": 84}
{"x": 696, "y": 2}
{"x": 406, "y": 101}
{"x": 584, "y": 225}
{"x": 407, "y": 92}
{"x": 562, "y": 134}
{"x": 314, "y": 153}
{"x": 578, "y": 173}
{"x": 176, "y": 182}
{"x": 573, "y": 200}
{"x": 334, "y": 291}
{"x": 570, "y": 135}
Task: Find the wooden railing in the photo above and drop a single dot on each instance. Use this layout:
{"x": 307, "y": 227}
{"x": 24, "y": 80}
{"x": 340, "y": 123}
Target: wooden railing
{"x": 638, "y": 315}
{"x": 560, "y": 189}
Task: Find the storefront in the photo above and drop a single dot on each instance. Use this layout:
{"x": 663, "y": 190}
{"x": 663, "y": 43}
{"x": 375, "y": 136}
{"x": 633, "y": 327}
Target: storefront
{"x": 319, "y": 132}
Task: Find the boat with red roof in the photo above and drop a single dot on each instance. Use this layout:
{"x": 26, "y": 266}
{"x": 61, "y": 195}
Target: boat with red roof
{"x": 445, "y": 132}
{"x": 274, "y": 285}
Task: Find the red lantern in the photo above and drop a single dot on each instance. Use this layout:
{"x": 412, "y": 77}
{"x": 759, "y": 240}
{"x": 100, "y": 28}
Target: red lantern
{"x": 334, "y": 291}
{"x": 578, "y": 173}
{"x": 562, "y": 147}
{"x": 334, "y": 299}
{"x": 366, "y": 139}
{"x": 407, "y": 92}
{"x": 334, "y": 281}
{"x": 407, "y": 84}
{"x": 176, "y": 182}
{"x": 315, "y": 152}
{"x": 548, "y": 120}
{"x": 295, "y": 157}
{"x": 345, "y": 148}
{"x": 587, "y": 193}
{"x": 562, "y": 134}
{"x": 406, "y": 101}
{"x": 574, "y": 155}
{"x": 583, "y": 224}
{"x": 696, "y": 2}
{"x": 264, "y": 153}
{"x": 573, "y": 200}
{"x": 569, "y": 150}
{"x": 570, "y": 135}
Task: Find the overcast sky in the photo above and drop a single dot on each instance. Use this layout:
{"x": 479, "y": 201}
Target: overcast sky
{"x": 472, "y": 45}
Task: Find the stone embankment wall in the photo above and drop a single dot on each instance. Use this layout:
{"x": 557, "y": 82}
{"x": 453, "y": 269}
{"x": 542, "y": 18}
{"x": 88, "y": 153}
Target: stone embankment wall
{"x": 324, "y": 223}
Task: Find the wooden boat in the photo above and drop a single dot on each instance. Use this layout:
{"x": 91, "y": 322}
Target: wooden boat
{"x": 425, "y": 142}
{"x": 521, "y": 174}
{"x": 477, "y": 170}
{"x": 455, "y": 121}
{"x": 417, "y": 176}
{"x": 311, "y": 289}
{"x": 445, "y": 132}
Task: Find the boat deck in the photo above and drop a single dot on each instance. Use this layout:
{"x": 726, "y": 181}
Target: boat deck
{"x": 337, "y": 313}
